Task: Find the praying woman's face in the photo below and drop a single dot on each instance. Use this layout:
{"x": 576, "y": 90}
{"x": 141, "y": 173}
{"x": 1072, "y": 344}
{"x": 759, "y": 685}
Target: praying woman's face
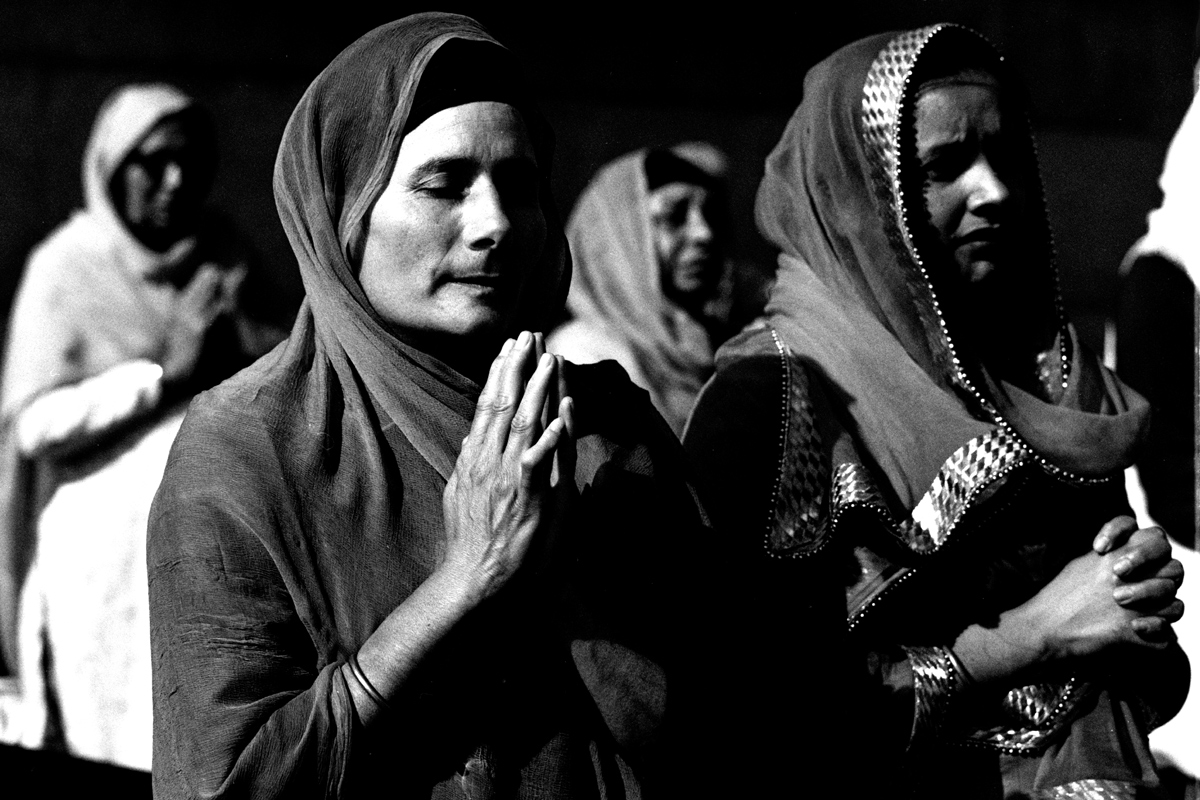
{"x": 974, "y": 199}
{"x": 682, "y": 224}
{"x": 453, "y": 240}
{"x": 160, "y": 186}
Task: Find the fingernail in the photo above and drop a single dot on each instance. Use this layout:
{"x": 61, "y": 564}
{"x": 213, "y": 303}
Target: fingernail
{"x": 523, "y": 339}
{"x": 1144, "y": 624}
{"x": 546, "y": 360}
{"x": 1123, "y": 593}
{"x": 1122, "y": 566}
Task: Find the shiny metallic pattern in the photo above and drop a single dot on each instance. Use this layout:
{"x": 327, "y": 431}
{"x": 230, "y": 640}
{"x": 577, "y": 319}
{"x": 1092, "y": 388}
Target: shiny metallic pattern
{"x": 796, "y": 527}
{"x": 883, "y": 99}
{"x": 1036, "y": 713}
{"x": 1091, "y": 790}
{"x": 936, "y": 680}
{"x": 975, "y": 466}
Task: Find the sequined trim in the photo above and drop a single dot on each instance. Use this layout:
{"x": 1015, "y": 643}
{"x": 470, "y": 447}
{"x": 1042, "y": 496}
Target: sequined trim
{"x": 970, "y": 470}
{"x": 937, "y": 678}
{"x": 1033, "y": 714}
{"x": 797, "y": 523}
{"x": 1091, "y": 790}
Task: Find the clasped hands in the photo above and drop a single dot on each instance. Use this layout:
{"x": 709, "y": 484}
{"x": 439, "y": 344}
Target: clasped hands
{"x": 1122, "y": 592}
{"x": 515, "y": 476}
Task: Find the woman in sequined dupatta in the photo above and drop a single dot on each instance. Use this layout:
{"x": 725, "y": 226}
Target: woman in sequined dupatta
{"x": 926, "y": 459}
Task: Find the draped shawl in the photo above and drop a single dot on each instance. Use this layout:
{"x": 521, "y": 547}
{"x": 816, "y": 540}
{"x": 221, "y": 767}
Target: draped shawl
{"x": 92, "y": 297}
{"x": 303, "y": 502}
{"x": 935, "y": 466}
{"x": 617, "y": 308}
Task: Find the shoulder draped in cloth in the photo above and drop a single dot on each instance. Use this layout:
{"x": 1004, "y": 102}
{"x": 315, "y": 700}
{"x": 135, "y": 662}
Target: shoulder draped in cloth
{"x": 303, "y": 503}
{"x": 894, "y": 467}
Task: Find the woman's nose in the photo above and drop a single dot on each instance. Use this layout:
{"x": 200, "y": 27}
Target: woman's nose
{"x": 987, "y": 187}
{"x": 697, "y": 229}
{"x": 485, "y": 221}
{"x": 172, "y": 176}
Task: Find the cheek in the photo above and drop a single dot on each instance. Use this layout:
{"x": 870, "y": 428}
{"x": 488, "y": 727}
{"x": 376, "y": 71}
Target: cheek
{"x": 945, "y": 206}
{"x": 138, "y": 186}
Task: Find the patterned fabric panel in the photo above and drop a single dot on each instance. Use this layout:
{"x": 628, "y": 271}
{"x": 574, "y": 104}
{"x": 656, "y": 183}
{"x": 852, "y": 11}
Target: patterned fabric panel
{"x": 797, "y": 525}
{"x": 973, "y": 468}
{"x": 1091, "y": 790}
{"x": 1035, "y": 713}
{"x": 883, "y": 93}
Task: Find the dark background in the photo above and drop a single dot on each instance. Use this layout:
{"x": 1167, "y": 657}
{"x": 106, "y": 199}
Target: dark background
{"x": 1109, "y": 82}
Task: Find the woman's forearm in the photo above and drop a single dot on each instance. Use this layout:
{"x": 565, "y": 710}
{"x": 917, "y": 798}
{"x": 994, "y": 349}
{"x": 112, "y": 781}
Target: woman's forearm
{"x": 1002, "y": 652}
{"x": 404, "y": 639}
{"x": 67, "y": 420}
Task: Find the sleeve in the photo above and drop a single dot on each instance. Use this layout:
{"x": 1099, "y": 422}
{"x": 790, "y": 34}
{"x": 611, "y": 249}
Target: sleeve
{"x": 64, "y": 418}
{"x": 242, "y": 707}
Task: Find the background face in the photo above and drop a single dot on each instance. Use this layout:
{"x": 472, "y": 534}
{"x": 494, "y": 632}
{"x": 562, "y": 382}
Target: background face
{"x": 686, "y": 239}
{"x": 160, "y": 186}
{"x": 454, "y": 238}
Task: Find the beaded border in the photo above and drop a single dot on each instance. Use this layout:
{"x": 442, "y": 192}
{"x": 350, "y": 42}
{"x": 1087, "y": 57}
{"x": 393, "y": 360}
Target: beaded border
{"x": 884, "y": 91}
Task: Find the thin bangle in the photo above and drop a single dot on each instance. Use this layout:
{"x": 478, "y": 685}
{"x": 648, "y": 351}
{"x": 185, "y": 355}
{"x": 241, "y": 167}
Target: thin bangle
{"x": 361, "y": 677}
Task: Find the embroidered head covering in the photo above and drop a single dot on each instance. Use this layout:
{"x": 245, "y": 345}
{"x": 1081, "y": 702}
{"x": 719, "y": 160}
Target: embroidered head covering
{"x": 616, "y": 305}
{"x": 857, "y": 292}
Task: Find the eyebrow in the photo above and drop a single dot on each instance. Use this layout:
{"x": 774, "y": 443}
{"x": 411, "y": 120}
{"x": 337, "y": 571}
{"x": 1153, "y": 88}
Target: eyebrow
{"x": 460, "y": 163}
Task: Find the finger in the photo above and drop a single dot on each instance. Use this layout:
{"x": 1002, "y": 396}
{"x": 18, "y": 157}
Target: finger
{"x": 1147, "y": 547}
{"x": 511, "y": 388}
{"x": 1151, "y": 631}
{"x": 526, "y": 425}
{"x": 539, "y": 345}
{"x": 1114, "y": 533}
{"x": 1155, "y": 593}
{"x": 535, "y": 461}
{"x": 487, "y": 397}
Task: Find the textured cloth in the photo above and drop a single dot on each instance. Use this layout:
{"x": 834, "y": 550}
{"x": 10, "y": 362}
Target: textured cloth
{"x": 883, "y": 474}
{"x": 84, "y": 627}
{"x": 303, "y": 502}
{"x": 616, "y": 307}
{"x": 92, "y": 299}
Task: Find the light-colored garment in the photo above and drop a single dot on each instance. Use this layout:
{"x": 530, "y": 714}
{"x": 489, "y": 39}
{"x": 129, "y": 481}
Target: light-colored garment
{"x": 96, "y": 316}
{"x": 616, "y": 306}
{"x": 84, "y": 621}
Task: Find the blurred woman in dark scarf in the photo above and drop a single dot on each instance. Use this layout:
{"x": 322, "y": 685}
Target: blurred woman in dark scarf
{"x": 384, "y": 558}
{"x": 652, "y": 288}
{"x": 130, "y": 306}
{"x": 927, "y": 459}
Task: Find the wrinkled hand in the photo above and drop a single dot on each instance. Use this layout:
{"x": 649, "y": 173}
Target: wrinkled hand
{"x": 515, "y": 474}
{"x": 211, "y": 293}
